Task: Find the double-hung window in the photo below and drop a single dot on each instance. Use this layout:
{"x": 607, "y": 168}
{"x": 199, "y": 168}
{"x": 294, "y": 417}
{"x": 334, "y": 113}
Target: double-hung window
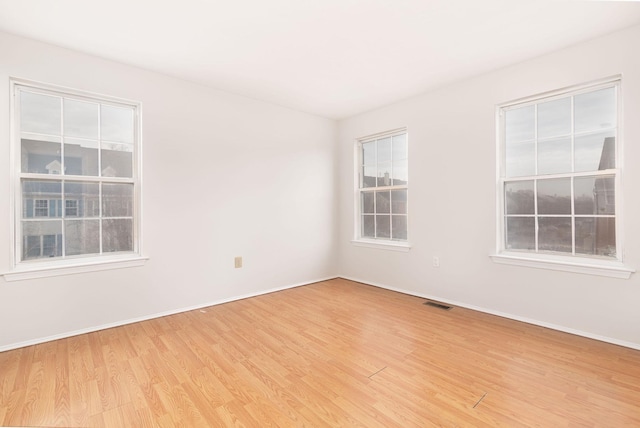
{"x": 76, "y": 175}
{"x": 560, "y": 175}
{"x": 382, "y": 190}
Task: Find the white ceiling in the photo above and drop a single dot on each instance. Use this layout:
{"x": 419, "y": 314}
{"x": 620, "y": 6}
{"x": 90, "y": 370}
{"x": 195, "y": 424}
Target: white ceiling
{"x": 333, "y": 58}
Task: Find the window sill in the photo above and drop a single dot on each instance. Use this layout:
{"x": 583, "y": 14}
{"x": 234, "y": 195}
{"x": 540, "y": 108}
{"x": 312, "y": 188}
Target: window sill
{"x": 383, "y": 245}
{"x": 70, "y": 267}
{"x": 611, "y": 269}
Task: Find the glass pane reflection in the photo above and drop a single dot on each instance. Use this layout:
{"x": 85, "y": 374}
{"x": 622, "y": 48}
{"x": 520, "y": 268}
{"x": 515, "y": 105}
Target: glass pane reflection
{"x": 554, "y": 196}
{"x": 41, "y": 114}
{"x": 596, "y": 236}
{"x": 117, "y": 235}
{"x": 594, "y": 195}
{"x": 595, "y": 110}
{"x": 520, "y": 233}
{"x": 82, "y": 237}
{"x": 554, "y": 234}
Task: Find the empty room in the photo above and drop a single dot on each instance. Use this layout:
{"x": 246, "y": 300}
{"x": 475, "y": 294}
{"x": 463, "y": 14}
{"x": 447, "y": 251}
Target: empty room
{"x": 319, "y": 213}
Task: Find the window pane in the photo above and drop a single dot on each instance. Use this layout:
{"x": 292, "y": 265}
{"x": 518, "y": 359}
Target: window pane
{"x": 369, "y": 176}
{"x": 51, "y": 245}
{"x": 383, "y": 226}
{"x": 596, "y": 236}
{"x": 399, "y": 201}
{"x": 32, "y": 247}
{"x": 520, "y": 159}
{"x": 554, "y": 118}
{"x": 117, "y": 200}
{"x": 80, "y": 157}
{"x": 554, "y": 156}
{"x": 519, "y": 197}
{"x": 41, "y": 239}
{"x": 41, "y": 199}
{"x": 384, "y": 150}
{"x": 41, "y": 114}
{"x": 117, "y": 235}
{"x": 369, "y": 153}
{"x": 82, "y": 237}
{"x": 520, "y": 124}
{"x": 367, "y": 202}
{"x": 368, "y": 226}
{"x": 554, "y": 234}
{"x": 383, "y": 202}
{"x": 595, "y": 152}
{"x": 384, "y": 174}
{"x": 399, "y": 227}
{"x": 86, "y": 195}
{"x": 554, "y": 196}
{"x": 595, "y": 110}
{"x": 400, "y": 147}
{"x": 594, "y": 195}
{"x": 40, "y": 156}
{"x": 520, "y": 233}
{"x": 116, "y": 124}
{"x": 117, "y": 160}
{"x": 400, "y": 173}
{"x": 81, "y": 119}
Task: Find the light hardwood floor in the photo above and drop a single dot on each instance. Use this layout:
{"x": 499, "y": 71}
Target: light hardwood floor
{"x": 331, "y": 354}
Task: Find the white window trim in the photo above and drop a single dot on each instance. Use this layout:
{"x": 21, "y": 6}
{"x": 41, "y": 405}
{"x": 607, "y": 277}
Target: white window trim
{"x": 73, "y": 266}
{"x": 614, "y": 268}
{"x": 611, "y": 269}
{"x": 380, "y": 243}
{"x": 21, "y": 270}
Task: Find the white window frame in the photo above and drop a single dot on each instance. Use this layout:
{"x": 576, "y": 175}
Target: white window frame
{"x": 609, "y": 267}
{"x": 29, "y": 269}
{"x": 380, "y": 243}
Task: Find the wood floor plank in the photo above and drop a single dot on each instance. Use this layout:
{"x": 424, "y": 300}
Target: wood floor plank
{"x": 14, "y": 414}
{"x": 331, "y": 354}
{"x": 9, "y": 362}
{"x": 180, "y": 406}
{"x": 61, "y": 404}
{"x": 233, "y": 414}
{"x": 154, "y": 403}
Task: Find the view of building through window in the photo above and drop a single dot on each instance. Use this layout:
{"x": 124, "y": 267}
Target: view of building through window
{"x": 77, "y": 180}
{"x": 559, "y": 174}
{"x": 383, "y": 187}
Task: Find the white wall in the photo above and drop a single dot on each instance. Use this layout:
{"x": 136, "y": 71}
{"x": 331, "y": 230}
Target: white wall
{"x": 223, "y": 176}
{"x": 226, "y": 176}
{"x": 452, "y": 174}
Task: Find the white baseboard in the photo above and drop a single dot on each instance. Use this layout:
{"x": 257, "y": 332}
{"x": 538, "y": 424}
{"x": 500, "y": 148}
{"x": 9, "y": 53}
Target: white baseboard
{"x": 564, "y": 329}
{"x": 149, "y": 317}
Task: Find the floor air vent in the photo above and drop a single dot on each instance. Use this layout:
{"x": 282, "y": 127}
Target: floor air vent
{"x": 438, "y": 305}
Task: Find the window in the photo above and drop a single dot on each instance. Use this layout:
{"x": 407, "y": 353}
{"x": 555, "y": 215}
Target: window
{"x": 41, "y": 208}
{"x": 382, "y": 194}
{"x": 76, "y": 172}
{"x": 559, "y": 174}
{"x": 71, "y": 208}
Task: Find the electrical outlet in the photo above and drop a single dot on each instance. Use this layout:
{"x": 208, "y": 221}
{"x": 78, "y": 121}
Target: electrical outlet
{"x": 238, "y": 262}
{"x": 436, "y": 261}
